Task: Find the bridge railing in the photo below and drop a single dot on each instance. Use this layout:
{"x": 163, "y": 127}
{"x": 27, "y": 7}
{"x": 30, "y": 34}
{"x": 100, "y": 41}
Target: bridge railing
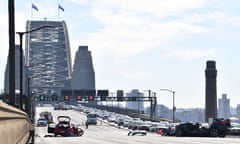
{"x": 15, "y": 126}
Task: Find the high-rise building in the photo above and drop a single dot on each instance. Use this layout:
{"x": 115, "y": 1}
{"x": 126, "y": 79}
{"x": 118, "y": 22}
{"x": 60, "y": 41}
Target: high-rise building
{"x": 193, "y": 115}
{"x": 48, "y": 59}
{"x": 136, "y": 105}
{"x": 211, "y": 91}
{"x": 83, "y": 76}
{"x": 238, "y": 111}
{"x": 17, "y": 76}
{"x": 224, "y": 107}
{"x": 163, "y": 111}
{"x": 17, "y": 72}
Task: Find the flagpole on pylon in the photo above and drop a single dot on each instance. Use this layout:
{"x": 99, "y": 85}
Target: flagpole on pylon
{"x": 33, "y": 7}
{"x": 61, "y": 8}
{"x": 58, "y": 14}
{"x": 31, "y": 12}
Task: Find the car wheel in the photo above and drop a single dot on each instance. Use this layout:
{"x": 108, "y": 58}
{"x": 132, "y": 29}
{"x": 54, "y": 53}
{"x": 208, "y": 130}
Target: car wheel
{"x": 179, "y": 132}
{"x": 223, "y": 135}
{"x": 214, "y": 132}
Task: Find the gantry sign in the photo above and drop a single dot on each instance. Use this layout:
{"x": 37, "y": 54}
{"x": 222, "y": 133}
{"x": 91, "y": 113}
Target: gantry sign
{"x": 103, "y": 95}
{"x": 100, "y": 95}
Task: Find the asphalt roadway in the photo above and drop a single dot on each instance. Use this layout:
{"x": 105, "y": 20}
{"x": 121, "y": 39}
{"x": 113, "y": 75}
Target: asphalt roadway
{"x": 104, "y": 133}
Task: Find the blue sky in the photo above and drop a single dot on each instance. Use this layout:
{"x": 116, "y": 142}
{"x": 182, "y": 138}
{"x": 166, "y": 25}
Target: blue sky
{"x": 147, "y": 44}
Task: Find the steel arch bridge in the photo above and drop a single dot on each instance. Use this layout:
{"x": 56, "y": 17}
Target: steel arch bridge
{"x": 48, "y": 57}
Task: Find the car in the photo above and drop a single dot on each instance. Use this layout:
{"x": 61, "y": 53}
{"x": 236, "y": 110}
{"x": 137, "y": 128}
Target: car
{"x": 42, "y": 121}
{"x": 60, "y": 106}
{"x": 47, "y": 115}
{"x": 91, "y": 119}
{"x": 137, "y": 132}
{"x": 234, "y": 129}
{"x": 144, "y": 127}
{"x": 190, "y": 129}
{"x": 160, "y": 128}
{"x": 164, "y": 131}
{"x": 65, "y": 128}
{"x": 172, "y": 128}
{"x": 218, "y": 128}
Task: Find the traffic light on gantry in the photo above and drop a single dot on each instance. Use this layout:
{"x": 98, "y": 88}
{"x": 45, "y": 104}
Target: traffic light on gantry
{"x": 90, "y": 94}
{"x": 90, "y": 98}
{"x": 79, "y": 98}
{"x": 66, "y": 98}
{"x": 42, "y": 97}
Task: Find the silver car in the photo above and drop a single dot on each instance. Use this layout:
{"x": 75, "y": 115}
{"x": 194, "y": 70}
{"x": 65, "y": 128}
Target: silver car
{"x": 42, "y": 122}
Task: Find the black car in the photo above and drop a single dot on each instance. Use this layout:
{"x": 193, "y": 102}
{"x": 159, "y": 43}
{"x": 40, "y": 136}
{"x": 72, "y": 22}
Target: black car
{"x": 218, "y": 128}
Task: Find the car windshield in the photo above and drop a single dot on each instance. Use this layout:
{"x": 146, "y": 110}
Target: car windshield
{"x": 92, "y": 116}
{"x": 42, "y": 119}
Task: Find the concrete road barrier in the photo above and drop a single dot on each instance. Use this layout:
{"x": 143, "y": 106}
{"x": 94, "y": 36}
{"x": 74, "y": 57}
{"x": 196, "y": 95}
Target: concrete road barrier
{"x": 15, "y": 125}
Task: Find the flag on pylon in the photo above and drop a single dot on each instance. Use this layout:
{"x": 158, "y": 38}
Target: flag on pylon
{"x": 60, "y": 7}
{"x": 34, "y": 7}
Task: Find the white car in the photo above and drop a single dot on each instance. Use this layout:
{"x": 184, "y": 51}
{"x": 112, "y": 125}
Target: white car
{"x": 137, "y": 132}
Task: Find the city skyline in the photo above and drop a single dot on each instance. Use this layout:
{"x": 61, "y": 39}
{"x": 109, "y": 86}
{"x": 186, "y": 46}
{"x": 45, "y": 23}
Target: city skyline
{"x": 146, "y": 44}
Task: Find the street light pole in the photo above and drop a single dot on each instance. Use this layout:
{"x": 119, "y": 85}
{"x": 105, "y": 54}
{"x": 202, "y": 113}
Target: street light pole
{"x": 21, "y": 72}
{"x": 11, "y": 52}
{"x": 30, "y": 105}
{"x": 21, "y": 61}
{"x": 31, "y": 102}
{"x": 28, "y": 108}
{"x": 174, "y": 108}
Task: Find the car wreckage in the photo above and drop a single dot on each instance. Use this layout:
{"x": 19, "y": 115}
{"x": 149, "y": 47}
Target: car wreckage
{"x": 64, "y": 128}
{"x": 218, "y": 128}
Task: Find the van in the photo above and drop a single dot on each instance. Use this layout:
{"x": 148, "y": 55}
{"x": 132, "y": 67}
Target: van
{"x": 92, "y": 118}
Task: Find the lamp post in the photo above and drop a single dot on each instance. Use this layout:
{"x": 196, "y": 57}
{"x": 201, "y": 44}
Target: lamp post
{"x": 29, "y": 109}
{"x": 11, "y": 52}
{"x": 31, "y": 102}
{"x": 21, "y": 61}
{"x": 174, "y": 108}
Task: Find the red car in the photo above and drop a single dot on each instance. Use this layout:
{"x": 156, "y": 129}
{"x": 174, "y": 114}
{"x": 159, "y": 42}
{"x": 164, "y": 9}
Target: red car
{"x": 65, "y": 128}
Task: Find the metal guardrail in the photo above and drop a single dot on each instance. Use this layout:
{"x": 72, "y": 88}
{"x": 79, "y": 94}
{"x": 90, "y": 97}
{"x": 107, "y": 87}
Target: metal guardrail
{"x": 15, "y": 125}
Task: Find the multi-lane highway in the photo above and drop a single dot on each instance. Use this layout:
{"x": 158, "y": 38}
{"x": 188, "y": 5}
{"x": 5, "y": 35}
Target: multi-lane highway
{"x": 104, "y": 133}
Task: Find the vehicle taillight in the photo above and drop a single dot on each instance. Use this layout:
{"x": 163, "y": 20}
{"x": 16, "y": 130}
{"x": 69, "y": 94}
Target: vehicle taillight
{"x": 222, "y": 123}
